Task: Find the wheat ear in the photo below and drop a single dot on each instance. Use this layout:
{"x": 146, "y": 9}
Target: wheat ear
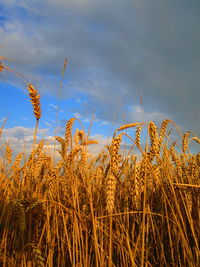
{"x": 68, "y": 129}
{"x": 137, "y": 135}
{"x": 114, "y": 149}
{"x": 111, "y": 178}
{"x": 63, "y": 145}
{"x": 35, "y": 101}
{"x": 110, "y": 192}
{"x": 163, "y": 129}
{"x": 8, "y": 153}
{"x": 196, "y": 139}
{"x": 185, "y": 141}
{"x": 1, "y": 129}
{"x": 126, "y": 126}
{"x": 154, "y": 149}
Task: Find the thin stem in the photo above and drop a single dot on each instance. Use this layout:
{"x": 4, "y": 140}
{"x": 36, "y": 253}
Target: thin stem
{"x": 35, "y": 133}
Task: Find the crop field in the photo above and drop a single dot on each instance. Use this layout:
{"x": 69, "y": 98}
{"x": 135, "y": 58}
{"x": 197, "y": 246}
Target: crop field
{"x": 112, "y": 209}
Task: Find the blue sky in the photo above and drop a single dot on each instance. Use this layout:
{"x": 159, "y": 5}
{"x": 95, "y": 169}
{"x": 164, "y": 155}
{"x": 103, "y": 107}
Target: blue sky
{"x": 117, "y": 51}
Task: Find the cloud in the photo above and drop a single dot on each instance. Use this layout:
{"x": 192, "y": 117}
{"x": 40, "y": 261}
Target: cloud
{"x": 97, "y": 148}
{"x": 117, "y": 51}
{"x": 138, "y": 114}
{"x": 3, "y": 119}
{"x": 21, "y": 132}
{"x": 125, "y": 146}
{"x": 21, "y": 138}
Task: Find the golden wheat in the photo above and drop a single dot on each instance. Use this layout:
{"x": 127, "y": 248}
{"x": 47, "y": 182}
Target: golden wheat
{"x": 137, "y": 188}
{"x": 18, "y": 159}
{"x": 40, "y": 147}
{"x": 163, "y": 129}
{"x": 110, "y": 192}
{"x": 126, "y": 126}
{"x": 83, "y": 162}
{"x": 72, "y": 155}
{"x": 8, "y": 153}
{"x": 89, "y": 142}
{"x": 78, "y": 136}
{"x": 68, "y": 130}
{"x": 1, "y": 66}
{"x": 114, "y": 149}
{"x": 35, "y": 100}
{"x": 196, "y": 139}
{"x": 137, "y": 135}
{"x": 39, "y": 163}
{"x": 154, "y": 148}
{"x": 37, "y": 257}
{"x": 185, "y": 142}
{"x": 1, "y": 129}
{"x": 176, "y": 160}
{"x": 198, "y": 159}
{"x": 63, "y": 145}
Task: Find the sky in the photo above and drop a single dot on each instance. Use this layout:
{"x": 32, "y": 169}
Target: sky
{"x": 128, "y": 61}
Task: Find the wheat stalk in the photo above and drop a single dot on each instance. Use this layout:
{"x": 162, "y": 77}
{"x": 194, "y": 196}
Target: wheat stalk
{"x": 198, "y": 159}
{"x": 35, "y": 101}
{"x": 154, "y": 149}
{"x": 1, "y": 129}
{"x": 185, "y": 141}
{"x": 89, "y": 142}
{"x": 126, "y": 126}
{"x": 37, "y": 256}
{"x": 112, "y": 170}
{"x": 78, "y": 136}
{"x": 68, "y": 129}
{"x": 163, "y": 129}
{"x": 8, "y": 153}
{"x": 137, "y": 135}
{"x": 63, "y": 145}
{"x": 110, "y": 192}
{"x": 18, "y": 160}
{"x": 176, "y": 160}
{"x": 137, "y": 181}
{"x": 196, "y": 139}
{"x": 1, "y": 67}
{"x": 114, "y": 149}
{"x": 40, "y": 147}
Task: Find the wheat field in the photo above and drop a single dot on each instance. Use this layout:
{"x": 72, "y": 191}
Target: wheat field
{"x": 113, "y": 209}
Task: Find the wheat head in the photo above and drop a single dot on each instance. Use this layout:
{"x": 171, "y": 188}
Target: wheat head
{"x": 35, "y": 101}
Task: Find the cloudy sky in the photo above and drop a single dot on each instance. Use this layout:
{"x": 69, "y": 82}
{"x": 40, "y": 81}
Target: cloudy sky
{"x": 118, "y": 52}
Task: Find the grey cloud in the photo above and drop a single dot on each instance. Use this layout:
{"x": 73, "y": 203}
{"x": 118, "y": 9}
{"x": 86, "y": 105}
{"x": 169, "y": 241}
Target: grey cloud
{"x": 117, "y": 51}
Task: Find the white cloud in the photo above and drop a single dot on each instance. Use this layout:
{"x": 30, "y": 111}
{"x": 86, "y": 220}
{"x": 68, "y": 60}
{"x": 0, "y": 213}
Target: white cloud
{"x": 21, "y": 132}
{"x": 3, "y": 119}
{"x": 105, "y": 122}
{"x": 139, "y": 114}
{"x": 54, "y": 106}
{"x": 20, "y": 137}
{"x": 47, "y": 124}
{"x": 97, "y": 148}
{"x": 78, "y": 115}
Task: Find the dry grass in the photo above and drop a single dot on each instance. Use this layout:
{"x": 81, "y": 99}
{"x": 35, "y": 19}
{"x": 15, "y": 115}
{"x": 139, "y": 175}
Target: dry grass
{"x": 112, "y": 210}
